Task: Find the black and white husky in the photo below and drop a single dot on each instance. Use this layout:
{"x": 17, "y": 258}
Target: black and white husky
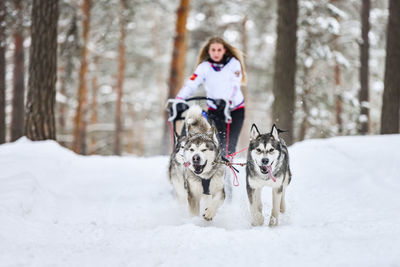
{"x": 194, "y": 123}
{"x": 204, "y": 174}
{"x": 176, "y": 169}
{"x": 195, "y": 170}
{"x": 267, "y": 165}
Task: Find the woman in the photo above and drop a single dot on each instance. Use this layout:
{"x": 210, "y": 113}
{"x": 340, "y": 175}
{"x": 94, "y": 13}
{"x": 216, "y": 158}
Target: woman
{"x": 220, "y": 67}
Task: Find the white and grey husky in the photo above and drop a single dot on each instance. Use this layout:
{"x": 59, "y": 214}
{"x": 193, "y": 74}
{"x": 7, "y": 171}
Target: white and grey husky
{"x": 204, "y": 174}
{"x": 267, "y": 165}
{"x": 195, "y": 170}
{"x": 176, "y": 169}
{"x": 194, "y": 123}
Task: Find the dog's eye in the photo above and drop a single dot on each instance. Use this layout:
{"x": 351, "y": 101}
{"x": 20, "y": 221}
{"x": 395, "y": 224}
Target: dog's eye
{"x": 258, "y": 150}
{"x": 203, "y": 150}
{"x": 271, "y": 150}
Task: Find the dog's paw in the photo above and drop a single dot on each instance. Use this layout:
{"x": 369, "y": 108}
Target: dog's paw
{"x": 258, "y": 220}
{"x": 208, "y": 214}
{"x": 273, "y": 221}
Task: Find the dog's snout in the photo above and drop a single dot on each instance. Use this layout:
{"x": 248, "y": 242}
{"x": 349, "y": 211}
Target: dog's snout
{"x": 265, "y": 161}
{"x": 196, "y": 158}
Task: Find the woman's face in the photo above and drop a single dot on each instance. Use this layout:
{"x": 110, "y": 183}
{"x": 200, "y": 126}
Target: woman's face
{"x": 216, "y": 51}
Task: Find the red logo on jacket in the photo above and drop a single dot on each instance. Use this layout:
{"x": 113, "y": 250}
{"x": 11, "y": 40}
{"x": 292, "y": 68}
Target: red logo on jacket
{"x": 194, "y": 76}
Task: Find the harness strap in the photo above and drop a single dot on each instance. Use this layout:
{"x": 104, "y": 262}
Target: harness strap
{"x": 172, "y": 135}
{"x": 235, "y": 179}
{"x": 228, "y": 126}
{"x": 206, "y": 186}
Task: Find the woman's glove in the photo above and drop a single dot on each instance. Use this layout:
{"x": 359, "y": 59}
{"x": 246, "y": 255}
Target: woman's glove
{"x": 176, "y": 107}
{"x": 180, "y": 108}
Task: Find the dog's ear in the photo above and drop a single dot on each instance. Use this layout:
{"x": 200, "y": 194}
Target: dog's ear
{"x": 254, "y": 133}
{"x": 275, "y": 132}
{"x": 189, "y": 133}
{"x": 188, "y": 129}
{"x": 213, "y": 134}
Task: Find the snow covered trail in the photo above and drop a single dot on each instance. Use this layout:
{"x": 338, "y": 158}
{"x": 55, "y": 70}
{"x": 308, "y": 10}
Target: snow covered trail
{"x": 61, "y": 209}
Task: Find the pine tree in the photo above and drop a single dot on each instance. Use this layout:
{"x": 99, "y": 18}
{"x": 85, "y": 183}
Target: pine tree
{"x": 179, "y": 51}
{"x": 2, "y": 72}
{"x": 121, "y": 77}
{"x": 17, "y": 118}
{"x": 79, "y": 145}
{"x": 40, "y": 120}
{"x": 391, "y": 96}
{"x": 364, "y": 69}
{"x": 285, "y": 67}
{"x": 178, "y": 59}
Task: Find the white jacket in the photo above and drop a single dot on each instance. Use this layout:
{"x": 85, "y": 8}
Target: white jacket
{"x": 223, "y": 84}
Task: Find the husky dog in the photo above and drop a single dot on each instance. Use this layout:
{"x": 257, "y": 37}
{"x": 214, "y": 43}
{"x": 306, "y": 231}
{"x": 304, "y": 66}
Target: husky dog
{"x": 176, "y": 169}
{"x": 267, "y": 165}
{"x": 194, "y": 123}
{"x": 204, "y": 174}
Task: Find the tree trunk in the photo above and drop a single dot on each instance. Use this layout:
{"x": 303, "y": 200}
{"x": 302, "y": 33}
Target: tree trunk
{"x": 94, "y": 109}
{"x": 2, "y": 73}
{"x": 17, "y": 115}
{"x": 120, "y": 83}
{"x": 305, "y": 96}
{"x": 304, "y": 123}
{"x": 364, "y": 68}
{"x": 179, "y": 51}
{"x": 159, "y": 69}
{"x": 130, "y": 146}
{"x": 40, "y": 120}
{"x": 67, "y": 55}
{"x": 244, "y": 41}
{"x": 285, "y": 67}
{"x": 391, "y": 95}
{"x": 62, "y": 106}
{"x": 177, "y": 64}
{"x": 79, "y": 144}
{"x": 338, "y": 99}
{"x": 339, "y": 112}
{"x": 337, "y": 79}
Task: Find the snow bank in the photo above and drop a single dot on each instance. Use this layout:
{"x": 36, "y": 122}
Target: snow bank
{"x": 61, "y": 209}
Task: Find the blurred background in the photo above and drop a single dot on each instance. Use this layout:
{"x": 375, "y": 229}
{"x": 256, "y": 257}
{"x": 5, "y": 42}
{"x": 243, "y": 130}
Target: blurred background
{"x": 115, "y": 62}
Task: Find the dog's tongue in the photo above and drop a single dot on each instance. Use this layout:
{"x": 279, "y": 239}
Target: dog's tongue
{"x": 269, "y": 168}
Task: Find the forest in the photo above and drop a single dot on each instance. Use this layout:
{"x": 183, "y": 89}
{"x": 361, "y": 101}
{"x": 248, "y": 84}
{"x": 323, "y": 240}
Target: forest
{"x": 95, "y": 75}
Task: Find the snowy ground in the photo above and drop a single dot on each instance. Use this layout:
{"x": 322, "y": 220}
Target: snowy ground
{"x": 60, "y": 209}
